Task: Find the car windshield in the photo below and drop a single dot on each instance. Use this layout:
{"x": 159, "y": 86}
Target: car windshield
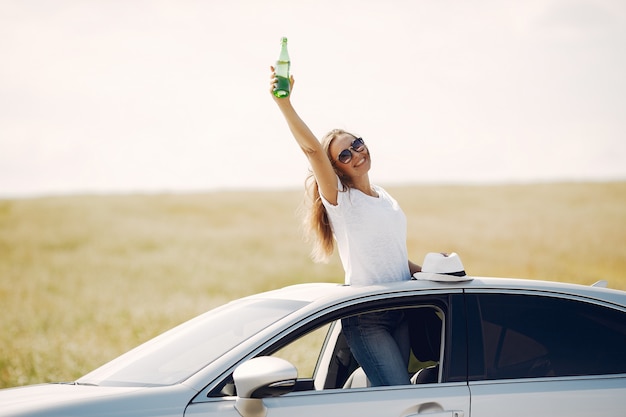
{"x": 184, "y": 350}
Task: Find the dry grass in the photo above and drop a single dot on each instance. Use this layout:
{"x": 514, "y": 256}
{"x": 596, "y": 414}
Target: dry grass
{"x": 563, "y": 232}
{"x": 85, "y": 278}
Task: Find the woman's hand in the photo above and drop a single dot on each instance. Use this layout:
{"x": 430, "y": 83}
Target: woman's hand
{"x": 274, "y": 81}
{"x": 414, "y": 268}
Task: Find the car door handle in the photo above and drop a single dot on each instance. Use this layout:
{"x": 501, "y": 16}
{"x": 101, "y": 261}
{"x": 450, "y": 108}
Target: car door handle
{"x": 456, "y": 413}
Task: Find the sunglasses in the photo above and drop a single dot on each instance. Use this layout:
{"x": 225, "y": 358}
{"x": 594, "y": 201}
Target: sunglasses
{"x": 345, "y": 156}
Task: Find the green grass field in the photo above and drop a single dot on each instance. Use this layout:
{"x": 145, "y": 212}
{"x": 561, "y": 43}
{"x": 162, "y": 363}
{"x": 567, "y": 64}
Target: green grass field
{"x": 85, "y": 278}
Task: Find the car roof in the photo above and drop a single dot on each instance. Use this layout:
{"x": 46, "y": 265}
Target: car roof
{"x": 325, "y": 292}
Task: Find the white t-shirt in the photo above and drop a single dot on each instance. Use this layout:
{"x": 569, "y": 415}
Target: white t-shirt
{"x": 371, "y": 237}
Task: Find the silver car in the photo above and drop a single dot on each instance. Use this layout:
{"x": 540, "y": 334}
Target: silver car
{"x": 481, "y": 347}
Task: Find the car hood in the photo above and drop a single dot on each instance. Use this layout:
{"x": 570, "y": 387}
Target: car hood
{"x": 69, "y": 400}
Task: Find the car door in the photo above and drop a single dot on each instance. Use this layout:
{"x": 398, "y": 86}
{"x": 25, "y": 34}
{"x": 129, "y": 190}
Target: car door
{"x": 450, "y": 400}
{"x": 545, "y": 355}
{"x": 323, "y": 393}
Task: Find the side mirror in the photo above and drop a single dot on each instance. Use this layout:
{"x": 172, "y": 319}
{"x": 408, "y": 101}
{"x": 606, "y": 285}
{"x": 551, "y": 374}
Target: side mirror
{"x": 259, "y": 378}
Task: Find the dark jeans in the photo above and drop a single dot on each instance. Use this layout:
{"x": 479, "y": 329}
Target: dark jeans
{"x": 379, "y": 341}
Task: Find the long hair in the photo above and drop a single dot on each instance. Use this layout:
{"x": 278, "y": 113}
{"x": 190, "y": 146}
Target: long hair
{"x": 316, "y": 223}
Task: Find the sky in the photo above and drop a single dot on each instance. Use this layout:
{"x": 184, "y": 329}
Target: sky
{"x": 125, "y": 96}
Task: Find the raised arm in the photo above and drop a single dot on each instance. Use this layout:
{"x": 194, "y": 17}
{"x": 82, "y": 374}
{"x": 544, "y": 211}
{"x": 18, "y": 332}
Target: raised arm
{"x": 310, "y": 145}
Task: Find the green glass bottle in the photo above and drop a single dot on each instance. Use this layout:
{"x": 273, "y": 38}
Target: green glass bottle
{"x": 282, "y": 71}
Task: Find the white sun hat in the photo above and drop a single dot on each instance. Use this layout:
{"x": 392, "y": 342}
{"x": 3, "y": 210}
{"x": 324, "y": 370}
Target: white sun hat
{"x": 442, "y": 267}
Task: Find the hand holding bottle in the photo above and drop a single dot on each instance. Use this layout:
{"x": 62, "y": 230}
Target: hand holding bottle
{"x": 275, "y": 84}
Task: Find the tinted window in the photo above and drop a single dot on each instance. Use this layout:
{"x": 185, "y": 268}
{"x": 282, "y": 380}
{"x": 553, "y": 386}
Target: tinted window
{"x": 524, "y": 336}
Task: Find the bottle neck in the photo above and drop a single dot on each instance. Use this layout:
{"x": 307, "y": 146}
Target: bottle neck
{"x": 284, "y": 54}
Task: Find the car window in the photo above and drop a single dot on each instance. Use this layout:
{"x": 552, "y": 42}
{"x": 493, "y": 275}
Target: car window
{"x": 426, "y": 324}
{"x": 526, "y": 336}
{"x": 320, "y": 353}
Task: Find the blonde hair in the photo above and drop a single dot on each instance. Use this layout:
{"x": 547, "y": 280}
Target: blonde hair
{"x": 316, "y": 223}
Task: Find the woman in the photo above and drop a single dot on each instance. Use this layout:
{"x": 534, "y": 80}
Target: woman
{"x": 370, "y": 230}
